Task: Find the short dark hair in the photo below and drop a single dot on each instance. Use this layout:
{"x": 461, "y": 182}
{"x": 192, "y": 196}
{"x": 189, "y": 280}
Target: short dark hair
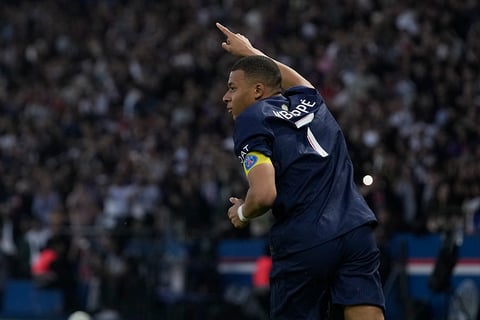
{"x": 261, "y": 69}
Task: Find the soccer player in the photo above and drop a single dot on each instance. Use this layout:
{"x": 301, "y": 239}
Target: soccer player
{"x": 324, "y": 256}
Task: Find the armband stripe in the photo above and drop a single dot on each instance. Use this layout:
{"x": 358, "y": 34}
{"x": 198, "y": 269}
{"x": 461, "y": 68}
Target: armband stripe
{"x": 253, "y": 159}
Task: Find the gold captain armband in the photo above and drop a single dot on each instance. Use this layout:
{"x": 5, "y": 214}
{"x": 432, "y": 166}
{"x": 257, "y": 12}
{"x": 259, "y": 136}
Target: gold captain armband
{"x": 253, "y": 159}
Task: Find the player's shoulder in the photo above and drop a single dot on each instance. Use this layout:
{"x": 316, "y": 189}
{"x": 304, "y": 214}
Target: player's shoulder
{"x": 307, "y": 99}
{"x": 300, "y": 90}
{"x": 303, "y": 91}
{"x": 260, "y": 110}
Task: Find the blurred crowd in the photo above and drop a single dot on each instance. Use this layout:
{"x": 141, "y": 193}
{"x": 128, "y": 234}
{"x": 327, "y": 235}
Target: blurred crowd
{"x": 114, "y": 141}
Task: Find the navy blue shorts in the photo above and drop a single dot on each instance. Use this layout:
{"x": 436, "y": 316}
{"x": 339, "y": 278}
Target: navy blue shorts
{"x": 343, "y": 271}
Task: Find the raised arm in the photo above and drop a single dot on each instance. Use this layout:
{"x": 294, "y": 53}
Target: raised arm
{"x": 239, "y": 45}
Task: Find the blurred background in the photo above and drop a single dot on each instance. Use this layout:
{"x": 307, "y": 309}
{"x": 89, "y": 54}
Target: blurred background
{"x": 116, "y": 158}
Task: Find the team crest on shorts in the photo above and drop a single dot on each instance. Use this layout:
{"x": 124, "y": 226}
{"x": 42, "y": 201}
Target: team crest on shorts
{"x": 250, "y": 161}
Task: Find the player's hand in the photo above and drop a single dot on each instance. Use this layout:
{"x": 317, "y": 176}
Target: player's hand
{"x": 236, "y": 43}
{"x": 232, "y": 213}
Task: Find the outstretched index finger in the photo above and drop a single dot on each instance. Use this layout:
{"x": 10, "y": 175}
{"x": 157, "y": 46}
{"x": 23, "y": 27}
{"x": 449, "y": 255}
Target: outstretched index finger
{"x": 224, "y": 29}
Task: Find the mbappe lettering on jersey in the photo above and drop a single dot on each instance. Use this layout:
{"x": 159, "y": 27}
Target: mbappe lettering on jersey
{"x": 300, "y": 109}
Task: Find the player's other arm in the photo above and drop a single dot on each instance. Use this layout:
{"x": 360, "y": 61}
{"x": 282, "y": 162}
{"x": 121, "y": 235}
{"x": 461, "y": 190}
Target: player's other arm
{"x": 290, "y": 77}
{"x": 261, "y": 190}
{"x": 239, "y": 45}
{"x": 260, "y": 196}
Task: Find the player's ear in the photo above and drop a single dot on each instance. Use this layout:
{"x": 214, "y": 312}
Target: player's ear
{"x": 259, "y": 91}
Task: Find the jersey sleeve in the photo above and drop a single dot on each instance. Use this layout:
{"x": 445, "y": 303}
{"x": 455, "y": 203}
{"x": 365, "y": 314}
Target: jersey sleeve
{"x": 252, "y": 133}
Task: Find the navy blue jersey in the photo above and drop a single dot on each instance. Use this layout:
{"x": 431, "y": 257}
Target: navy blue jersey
{"x": 317, "y": 199}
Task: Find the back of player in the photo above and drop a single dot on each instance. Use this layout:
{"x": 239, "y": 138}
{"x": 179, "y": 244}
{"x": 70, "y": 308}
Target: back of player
{"x": 316, "y": 209}
{"x": 317, "y": 199}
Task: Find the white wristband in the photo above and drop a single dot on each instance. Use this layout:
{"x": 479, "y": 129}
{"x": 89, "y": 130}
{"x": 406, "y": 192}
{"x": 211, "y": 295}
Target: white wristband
{"x": 240, "y": 214}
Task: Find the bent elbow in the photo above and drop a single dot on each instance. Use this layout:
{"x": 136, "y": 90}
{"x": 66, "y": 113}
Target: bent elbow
{"x": 270, "y": 199}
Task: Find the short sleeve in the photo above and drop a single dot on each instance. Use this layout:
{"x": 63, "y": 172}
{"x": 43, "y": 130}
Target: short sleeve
{"x": 252, "y": 133}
